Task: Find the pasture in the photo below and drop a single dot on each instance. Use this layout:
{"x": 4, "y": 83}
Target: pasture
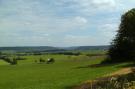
{"x": 66, "y": 72}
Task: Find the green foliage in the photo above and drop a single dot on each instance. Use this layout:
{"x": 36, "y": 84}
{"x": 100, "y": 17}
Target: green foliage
{"x": 20, "y": 58}
{"x": 51, "y": 60}
{"x": 123, "y": 46}
{"x": 41, "y": 60}
{"x": 0, "y": 53}
{"x": 6, "y": 59}
{"x": 14, "y": 61}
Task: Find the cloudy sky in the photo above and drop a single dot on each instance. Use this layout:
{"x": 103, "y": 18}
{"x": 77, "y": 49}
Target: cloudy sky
{"x": 60, "y": 22}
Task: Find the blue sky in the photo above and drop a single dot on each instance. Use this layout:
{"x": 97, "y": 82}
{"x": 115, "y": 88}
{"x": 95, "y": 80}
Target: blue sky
{"x": 60, "y": 22}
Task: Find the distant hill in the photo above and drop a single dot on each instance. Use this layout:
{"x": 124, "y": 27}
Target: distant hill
{"x": 83, "y": 48}
{"x": 52, "y": 49}
{"x": 31, "y": 49}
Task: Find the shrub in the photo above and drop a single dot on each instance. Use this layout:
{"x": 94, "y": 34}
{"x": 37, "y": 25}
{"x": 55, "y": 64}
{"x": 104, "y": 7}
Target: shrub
{"x": 41, "y": 60}
{"x": 14, "y": 61}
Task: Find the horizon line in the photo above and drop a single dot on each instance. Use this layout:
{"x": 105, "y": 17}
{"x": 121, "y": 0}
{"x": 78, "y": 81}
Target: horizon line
{"x": 53, "y": 46}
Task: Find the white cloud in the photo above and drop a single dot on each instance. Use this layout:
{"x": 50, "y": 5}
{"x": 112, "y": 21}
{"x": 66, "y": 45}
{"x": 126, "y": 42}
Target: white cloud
{"x": 97, "y": 3}
{"x": 45, "y": 24}
{"x": 89, "y": 6}
{"x": 46, "y": 34}
{"x": 108, "y": 30}
{"x": 48, "y": 21}
{"x": 81, "y": 20}
{"x": 81, "y": 40}
{"x": 104, "y": 3}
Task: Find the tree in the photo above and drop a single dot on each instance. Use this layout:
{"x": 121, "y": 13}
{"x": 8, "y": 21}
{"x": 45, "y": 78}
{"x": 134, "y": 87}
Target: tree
{"x": 14, "y": 61}
{"x": 123, "y": 46}
{"x": 0, "y": 53}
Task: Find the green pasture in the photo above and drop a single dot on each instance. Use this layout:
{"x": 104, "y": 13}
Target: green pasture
{"x": 66, "y": 72}
{"x": 3, "y": 63}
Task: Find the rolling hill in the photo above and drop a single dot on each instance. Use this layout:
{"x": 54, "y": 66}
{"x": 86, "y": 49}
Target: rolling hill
{"x": 52, "y": 49}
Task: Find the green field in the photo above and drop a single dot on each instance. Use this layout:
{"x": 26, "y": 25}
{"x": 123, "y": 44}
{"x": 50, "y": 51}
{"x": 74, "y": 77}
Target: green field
{"x": 3, "y": 63}
{"x": 67, "y": 71}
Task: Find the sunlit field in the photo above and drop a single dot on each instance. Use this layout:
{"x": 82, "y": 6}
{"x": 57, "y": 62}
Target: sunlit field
{"x": 64, "y": 73}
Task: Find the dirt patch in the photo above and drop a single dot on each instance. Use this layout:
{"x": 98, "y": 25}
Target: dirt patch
{"x": 122, "y": 72}
{"x": 90, "y": 83}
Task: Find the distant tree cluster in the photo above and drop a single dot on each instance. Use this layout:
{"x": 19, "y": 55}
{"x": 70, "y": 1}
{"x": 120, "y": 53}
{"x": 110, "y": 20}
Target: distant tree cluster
{"x": 14, "y": 61}
{"x": 48, "y": 61}
{"x": 123, "y": 46}
{"x": 68, "y": 53}
{"x": 11, "y": 60}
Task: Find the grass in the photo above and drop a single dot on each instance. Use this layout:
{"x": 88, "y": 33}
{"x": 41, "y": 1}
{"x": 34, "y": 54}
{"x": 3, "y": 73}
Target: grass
{"x": 62, "y": 74}
{"x": 3, "y": 62}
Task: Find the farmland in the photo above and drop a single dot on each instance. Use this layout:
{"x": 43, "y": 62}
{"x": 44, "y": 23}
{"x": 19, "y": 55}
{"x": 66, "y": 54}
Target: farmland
{"x": 65, "y": 72}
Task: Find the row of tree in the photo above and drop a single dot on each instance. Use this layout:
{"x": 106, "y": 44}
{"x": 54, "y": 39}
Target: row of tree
{"x": 12, "y": 61}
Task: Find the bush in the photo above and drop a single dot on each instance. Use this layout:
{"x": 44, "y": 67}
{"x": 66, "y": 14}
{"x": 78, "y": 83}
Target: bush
{"x": 41, "y": 60}
{"x": 51, "y": 60}
{"x": 14, "y": 61}
{"x": 5, "y": 58}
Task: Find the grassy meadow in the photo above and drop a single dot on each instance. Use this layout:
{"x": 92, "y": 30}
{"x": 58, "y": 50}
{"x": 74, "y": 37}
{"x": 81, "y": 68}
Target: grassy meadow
{"x": 65, "y": 72}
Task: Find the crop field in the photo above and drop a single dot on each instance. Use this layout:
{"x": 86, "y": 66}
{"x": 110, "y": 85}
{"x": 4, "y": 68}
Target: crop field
{"x": 65, "y": 72}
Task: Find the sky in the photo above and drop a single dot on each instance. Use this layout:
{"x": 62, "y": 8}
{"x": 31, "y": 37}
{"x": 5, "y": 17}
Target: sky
{"x": 60, "y": 23}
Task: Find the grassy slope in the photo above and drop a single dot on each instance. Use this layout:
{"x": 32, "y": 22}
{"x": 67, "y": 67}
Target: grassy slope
{"x": 60, "y": 75}
{"x": 3, "y": 62}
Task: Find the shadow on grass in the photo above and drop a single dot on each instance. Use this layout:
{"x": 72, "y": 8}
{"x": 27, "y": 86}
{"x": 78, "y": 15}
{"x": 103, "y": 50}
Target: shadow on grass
{"x": 130, "y": 64}
{"x": 125, "y": 64}
{"x": 97, "y": 65}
